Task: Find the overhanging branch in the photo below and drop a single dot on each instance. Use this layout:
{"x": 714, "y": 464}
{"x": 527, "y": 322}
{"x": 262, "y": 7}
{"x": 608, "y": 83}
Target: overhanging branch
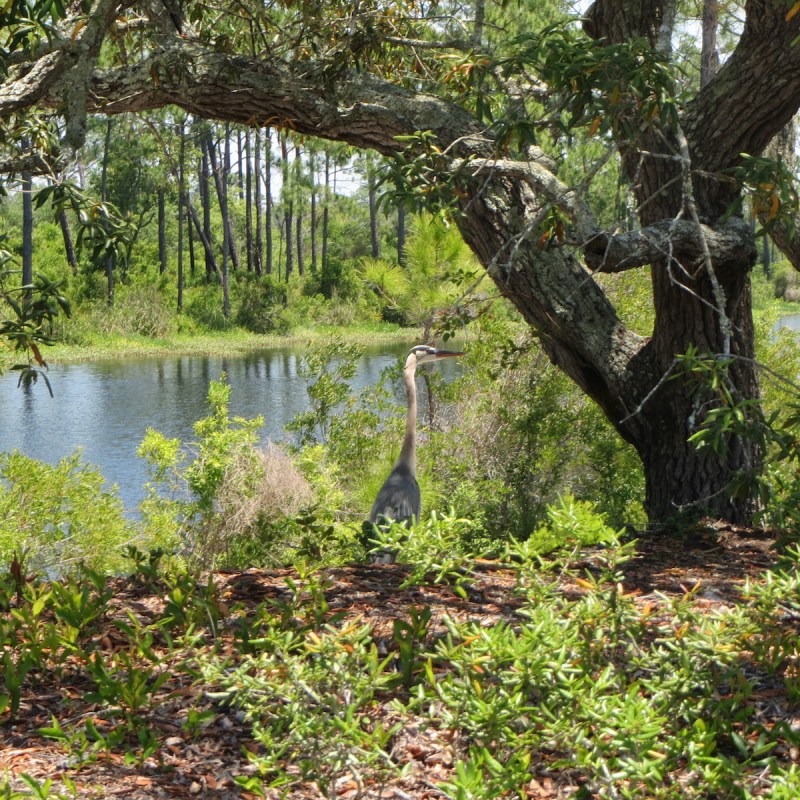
{"x": 679, "y": 241}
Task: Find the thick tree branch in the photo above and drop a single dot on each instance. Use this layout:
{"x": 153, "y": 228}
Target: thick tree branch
{"x": 360, "y": 109}
{"x": 754, "y": 94}
{"x": 674, "y": 241}
{"x": 787, "y": 239}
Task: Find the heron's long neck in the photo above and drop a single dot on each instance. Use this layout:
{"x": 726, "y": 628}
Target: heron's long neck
{"x": 408, "y": 453}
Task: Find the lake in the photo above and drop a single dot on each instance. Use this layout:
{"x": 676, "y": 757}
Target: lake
{"x": 105, "y": 407}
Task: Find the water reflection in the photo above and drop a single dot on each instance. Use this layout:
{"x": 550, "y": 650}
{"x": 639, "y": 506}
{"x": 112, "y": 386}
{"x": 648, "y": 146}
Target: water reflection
{"x": 105, "y": 407}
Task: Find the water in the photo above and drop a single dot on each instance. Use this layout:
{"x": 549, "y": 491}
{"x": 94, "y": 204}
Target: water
{"x": 105, "y": 407}
{"x": 790, "y": 321}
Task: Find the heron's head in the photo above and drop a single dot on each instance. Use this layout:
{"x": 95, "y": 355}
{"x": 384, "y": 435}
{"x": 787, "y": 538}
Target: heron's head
{"x": 424, "y": 354}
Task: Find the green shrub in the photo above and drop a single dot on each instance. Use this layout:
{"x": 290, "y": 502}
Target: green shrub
{"x": 204, "y": 305}
{"x": 61, "y": 515}
{"x": 520, "y": 435}
{"x": 262, "y": 305}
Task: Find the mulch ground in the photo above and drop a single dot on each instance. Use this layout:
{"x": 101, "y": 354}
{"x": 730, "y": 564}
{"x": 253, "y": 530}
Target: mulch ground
{"x": 714, "y": 563}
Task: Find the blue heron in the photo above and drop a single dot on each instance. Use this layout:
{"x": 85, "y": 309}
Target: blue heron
{"x": 399, "y": 498}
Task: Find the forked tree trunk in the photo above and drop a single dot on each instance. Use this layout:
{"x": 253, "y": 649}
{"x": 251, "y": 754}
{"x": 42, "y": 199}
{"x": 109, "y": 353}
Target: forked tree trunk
{"x": 632, "y": 378}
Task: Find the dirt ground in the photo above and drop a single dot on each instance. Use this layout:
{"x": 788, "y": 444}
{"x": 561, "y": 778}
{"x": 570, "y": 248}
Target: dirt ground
{"x": 714, "y": 562}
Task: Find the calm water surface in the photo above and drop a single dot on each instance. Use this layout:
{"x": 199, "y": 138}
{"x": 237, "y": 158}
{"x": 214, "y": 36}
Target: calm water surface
{"x": 105, "y": 407}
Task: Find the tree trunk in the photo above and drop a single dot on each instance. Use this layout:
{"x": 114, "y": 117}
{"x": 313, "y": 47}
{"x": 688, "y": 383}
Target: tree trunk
{"x": 222, "y": 189}
{"x": 312, "y": 170}
{"x": 69, "y": 245}
{"x": 248, "y": 204}
{"x": 325, "y": 211}
{"x": 373, "y": 210}
{"x": 190, "y": 239}
{"x": 239, "y": 172}
{"x": 401, "y": 235}
{"x": 709, "y": 56}
{"x": 221, "y": 173}
{"x": 162, "y": 231}
{"x": 27, "y": 229}
{"x": 109, "y": 261}
{"x": 205, "y": 202}
{"x": 211, "y": 260}
{"x": 227, "y": 219}
{"x": 258, "y": 245}
{"x": 288, "y": 217}
{"x": 181, "y": 210}
{"x": 268, "y": 200}
{"x": 298, "y": 174}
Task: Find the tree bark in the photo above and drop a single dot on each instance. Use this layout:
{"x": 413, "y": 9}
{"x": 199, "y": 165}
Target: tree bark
{"x": 709, "y": 56}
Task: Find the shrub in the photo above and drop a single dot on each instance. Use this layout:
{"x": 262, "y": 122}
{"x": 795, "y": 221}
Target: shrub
{"x": 262, "y": 305}
{"x": 204, "y": 304}
{"x": 61, "y": 515}
{"x": 522, "y": 435}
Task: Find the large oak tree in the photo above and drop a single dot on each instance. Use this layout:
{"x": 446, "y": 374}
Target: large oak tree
{"x": 470, "y": 118}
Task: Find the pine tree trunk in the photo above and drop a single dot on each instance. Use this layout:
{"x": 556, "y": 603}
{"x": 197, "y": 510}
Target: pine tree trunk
{"x": 190, "y": 239}
{"x": 109, "y": 262}
{"x": 312, "y": 167}
{"x": 709, "y": 56}
{"x": 69, "y": 245}
{"x": 373, "y": 210}
{"x": 221, "y": 173}
{"x": 325, "y": 212}
{"x": 268, "y": 200}
{"x": 301, "y": 264}
{"x": 27, "y": 228}
{"x": 258, "y": 244}
{"x": 288, "y": 206}
{"x": 205, "y": 201}
{"x": 298, "y": 172}
{"x": 181, "y": 210}
{"x": 248, "y": 203}
{"x": 227, "y": 220}
{"x": 162, "y": 231}
{"x": 222, "y": 189}
{"x": 401, "y": 234}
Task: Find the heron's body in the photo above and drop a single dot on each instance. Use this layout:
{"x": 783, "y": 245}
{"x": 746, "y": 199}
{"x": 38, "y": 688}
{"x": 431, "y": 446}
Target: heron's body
{"x": 399, "y": 498}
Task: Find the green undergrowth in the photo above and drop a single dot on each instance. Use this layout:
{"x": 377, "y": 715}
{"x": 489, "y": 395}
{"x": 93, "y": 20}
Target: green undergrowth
{"x": 583, "y": 687}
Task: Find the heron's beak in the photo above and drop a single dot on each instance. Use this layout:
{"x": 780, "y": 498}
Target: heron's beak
{"x": 447, "y": 354}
